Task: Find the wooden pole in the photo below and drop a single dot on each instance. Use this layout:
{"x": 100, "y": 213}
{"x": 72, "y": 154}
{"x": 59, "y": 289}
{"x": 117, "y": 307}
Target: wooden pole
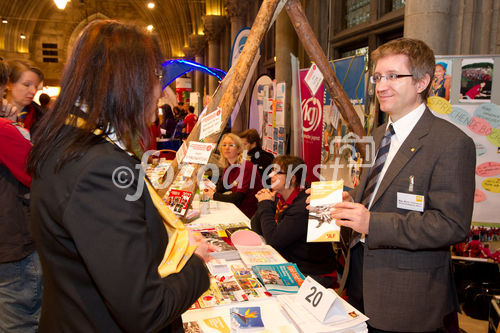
{"x": 230, "y": 88}
{"x": 313, "y": 49}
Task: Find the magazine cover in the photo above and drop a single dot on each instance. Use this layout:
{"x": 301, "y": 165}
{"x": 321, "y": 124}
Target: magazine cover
{"x": 244, "y": 319}
{"x": 257, "y": 255}
{"x": 249, "y": 282}
{"x": 280, "y": 278}
{"x": 324, "y": 195}
{"x": 178, "y": 201}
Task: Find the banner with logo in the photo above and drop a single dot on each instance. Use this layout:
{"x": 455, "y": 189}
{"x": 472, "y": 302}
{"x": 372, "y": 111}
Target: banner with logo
{"x": 312, "y": 125}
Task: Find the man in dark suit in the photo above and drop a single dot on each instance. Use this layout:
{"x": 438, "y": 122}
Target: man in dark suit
{"x": 412, "y": 204}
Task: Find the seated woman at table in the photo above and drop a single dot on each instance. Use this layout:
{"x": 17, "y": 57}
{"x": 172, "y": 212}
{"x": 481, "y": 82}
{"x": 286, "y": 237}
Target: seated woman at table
{"x": 282, "y": 219}
{"x": 240, "y": 177}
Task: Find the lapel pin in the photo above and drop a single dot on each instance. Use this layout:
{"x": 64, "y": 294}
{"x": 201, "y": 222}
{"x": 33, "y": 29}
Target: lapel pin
{"x": 412, "y": 150}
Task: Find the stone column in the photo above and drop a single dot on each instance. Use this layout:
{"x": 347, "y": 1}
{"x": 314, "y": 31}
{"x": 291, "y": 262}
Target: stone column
{"x": 213, "y": 26}
{"x": 197, "y": 45}
{"x": 237, "y": 11}
{"x": 286, "y": 43}
{"x": 429, "y": 21}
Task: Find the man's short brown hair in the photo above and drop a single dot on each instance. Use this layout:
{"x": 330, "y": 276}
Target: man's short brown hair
{"x": 251, "y": 135}
{"x": 421, "y": 59}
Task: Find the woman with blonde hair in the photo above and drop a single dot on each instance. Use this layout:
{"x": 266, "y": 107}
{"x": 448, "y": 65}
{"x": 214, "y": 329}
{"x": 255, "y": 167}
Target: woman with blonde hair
{"x": 240, "y": 176}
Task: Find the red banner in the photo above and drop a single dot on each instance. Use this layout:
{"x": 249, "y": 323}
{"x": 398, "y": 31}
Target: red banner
{"x": 312, "y": 125}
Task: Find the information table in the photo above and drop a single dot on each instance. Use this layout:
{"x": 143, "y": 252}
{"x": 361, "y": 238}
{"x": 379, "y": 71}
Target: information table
{"x": 221, "y": 213}
{"x": 273, "y": 316}
{"x": 218, "y": 318}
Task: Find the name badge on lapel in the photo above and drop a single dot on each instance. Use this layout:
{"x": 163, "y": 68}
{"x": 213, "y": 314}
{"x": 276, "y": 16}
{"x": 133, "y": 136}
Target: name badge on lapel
{"x": 411, "y": 201}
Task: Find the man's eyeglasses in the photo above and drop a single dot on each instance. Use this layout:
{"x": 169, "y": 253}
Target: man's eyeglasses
{"x": 376, "y": 78}
{"x": 230, "y": 145}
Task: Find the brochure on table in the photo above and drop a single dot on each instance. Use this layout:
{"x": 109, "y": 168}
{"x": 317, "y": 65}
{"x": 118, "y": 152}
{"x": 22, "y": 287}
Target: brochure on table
{"x": 218, "y": 319}
{"x": 317, "y": 309}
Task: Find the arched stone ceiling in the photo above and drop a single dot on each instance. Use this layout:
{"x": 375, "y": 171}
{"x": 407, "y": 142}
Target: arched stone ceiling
{"x": 173, "y": 20}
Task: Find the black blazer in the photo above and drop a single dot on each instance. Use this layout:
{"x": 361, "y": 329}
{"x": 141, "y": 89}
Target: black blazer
{"x": 100, "y": 252}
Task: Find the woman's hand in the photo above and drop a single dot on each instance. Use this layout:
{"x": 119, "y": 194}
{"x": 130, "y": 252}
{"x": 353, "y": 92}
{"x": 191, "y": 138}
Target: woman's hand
{"x": 203, "y": 248}
{"x": 265, "y": 194}
{"x": 209, "y": 192}
{"x": 8, "y": 110}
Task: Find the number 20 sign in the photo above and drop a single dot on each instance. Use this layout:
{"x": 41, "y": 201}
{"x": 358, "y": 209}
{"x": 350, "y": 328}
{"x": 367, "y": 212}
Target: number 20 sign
{"x": 317, "y": 299}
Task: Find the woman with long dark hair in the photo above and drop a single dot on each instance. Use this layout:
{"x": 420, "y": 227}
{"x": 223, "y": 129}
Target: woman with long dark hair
{"x": 95, "y": 222}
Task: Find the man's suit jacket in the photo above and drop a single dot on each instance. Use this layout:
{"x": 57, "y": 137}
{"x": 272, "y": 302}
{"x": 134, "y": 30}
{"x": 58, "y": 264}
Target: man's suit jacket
{"x": 100, "y": 251}
{"x": 407, "y": 277}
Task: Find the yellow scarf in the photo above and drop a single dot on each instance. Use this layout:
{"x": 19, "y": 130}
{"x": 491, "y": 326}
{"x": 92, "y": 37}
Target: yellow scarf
{"x": 178, "y": 250}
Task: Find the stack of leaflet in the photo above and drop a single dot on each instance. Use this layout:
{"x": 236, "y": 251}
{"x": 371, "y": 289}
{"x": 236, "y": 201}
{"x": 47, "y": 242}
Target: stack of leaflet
{"x": 343, "y": 317}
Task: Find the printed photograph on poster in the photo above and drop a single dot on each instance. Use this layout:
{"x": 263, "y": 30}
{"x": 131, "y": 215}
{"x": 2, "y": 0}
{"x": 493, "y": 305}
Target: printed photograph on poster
{"x": 441, "y": 83}
{"x": 275, "y": 133}
{"x": 477, "y": 76}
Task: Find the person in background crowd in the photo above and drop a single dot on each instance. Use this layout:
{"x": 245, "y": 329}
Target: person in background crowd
{"x": 100, "y": 249}
{"x": 20, "y": 270}
{"x": 258, "y": 156}
{"x": 179, "y": 129}
{"x": 181, "y": 110}
{"x": 177, "y": 113}
{"x": 168, "y": 125}
{"x": 282, "y": 219}
{"x": 239, "y": 176}
{"x": 24, "y": 81}
{"x": 44, "y": 100}
{"x": 190, "y": 120}
{"x": 416, "y": 201}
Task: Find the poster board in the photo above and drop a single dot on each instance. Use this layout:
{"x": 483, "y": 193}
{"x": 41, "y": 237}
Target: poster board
{"x": 478, "y": 115}
{"x": 339, "y": 161}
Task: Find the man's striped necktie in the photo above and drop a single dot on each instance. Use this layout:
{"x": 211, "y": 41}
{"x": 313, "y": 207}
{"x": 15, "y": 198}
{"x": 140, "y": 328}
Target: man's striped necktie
{"x": 377, "y": 167}
{"x": 349, "y": 237}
